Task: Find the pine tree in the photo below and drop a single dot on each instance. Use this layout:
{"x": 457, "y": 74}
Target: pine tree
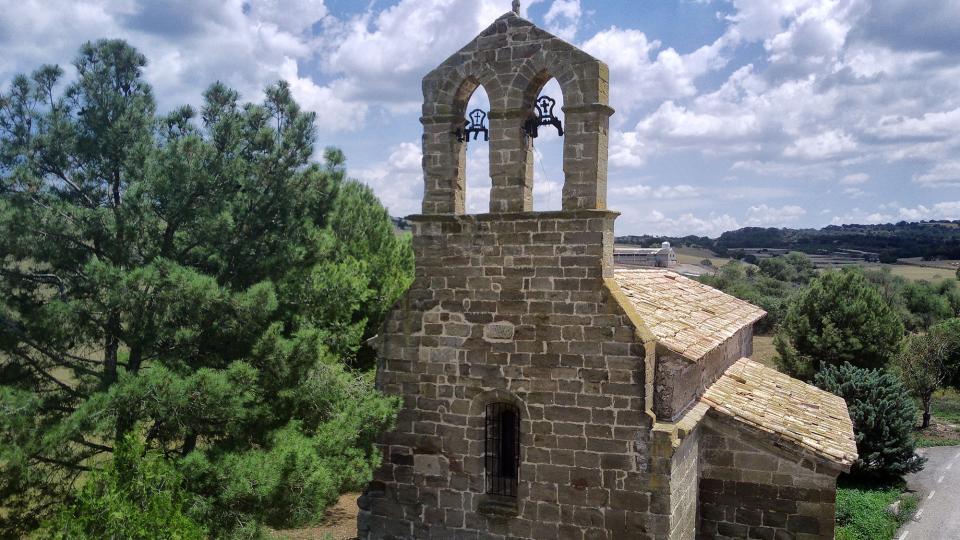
{"x": 185, "y": 278}
{"x": 882, "y": 420}
{"x": 839, "y": 318}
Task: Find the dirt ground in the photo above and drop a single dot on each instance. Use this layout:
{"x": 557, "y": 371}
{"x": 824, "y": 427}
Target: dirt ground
{"x": 340, "y": 523}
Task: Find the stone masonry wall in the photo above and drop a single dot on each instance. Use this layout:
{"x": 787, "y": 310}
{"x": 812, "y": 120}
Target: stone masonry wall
{"x": 684, "y": 473}
{"x": 680, "y": 382}
{"x": 515, "y": 308}
{"x": 748, "y": 491}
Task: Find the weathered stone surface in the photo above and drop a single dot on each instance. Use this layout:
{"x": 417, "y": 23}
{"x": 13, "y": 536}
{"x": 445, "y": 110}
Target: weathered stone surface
{"x": 746, "y": 491}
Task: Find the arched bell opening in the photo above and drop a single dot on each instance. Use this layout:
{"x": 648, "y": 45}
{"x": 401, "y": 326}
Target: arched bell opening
{"x": 476, "y": 150}
{"x": 545, "y": 127}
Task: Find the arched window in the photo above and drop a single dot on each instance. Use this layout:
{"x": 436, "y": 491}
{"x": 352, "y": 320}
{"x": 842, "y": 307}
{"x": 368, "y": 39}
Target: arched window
{"x": 502, "y": 449}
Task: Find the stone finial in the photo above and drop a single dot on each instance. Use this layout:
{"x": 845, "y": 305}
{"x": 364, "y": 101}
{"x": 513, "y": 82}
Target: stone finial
{"x": 516, "y": 6}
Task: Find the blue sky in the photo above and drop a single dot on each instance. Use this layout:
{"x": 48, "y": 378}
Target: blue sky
{"x": 730, "y": 113}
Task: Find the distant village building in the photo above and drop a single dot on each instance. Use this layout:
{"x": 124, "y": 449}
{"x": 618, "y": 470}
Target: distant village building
{"x": 661, "y": 257}
{"x": 546, "y": 395}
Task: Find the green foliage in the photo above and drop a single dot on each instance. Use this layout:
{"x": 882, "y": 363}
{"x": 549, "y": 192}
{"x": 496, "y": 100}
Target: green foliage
{"x": 862, "y": 512}
{"x": 882, "y": 420}
{"x": 138, "y": 496}
{"x": 758, "y": 288}
{"x": 948, "y": 331}
{"x": 793, "y": 267}
{"x": 919, "y": 304}
{"x": 922, "y": 366}
{"x": 194, "y": 279}
{"x": 839, "y": 318}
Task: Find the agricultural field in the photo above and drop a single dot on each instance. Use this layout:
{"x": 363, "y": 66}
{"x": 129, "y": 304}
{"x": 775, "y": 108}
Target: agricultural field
{"x": 915, "y": 270}
{"x": 691, "y": 255}
{"x": 918, "y": 273}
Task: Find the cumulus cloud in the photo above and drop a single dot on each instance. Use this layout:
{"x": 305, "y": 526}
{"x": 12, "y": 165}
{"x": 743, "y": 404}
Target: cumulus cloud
{"x": 763, "y": 215}
{"x": 657, "y": 192}
{"x": 712, "y": 224}
{"x": 945, "y": 174}
{"x": 398, "y": 180}
{"x": 856, "y": 178}
{"x": 644, "y": 72}
{"x": 563, "y": 17}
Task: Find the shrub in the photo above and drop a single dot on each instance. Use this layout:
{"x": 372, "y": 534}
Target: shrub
{"x": 139, "y": 496}
{"x": 882, "y": 419}
{"x": 839, "y": 318}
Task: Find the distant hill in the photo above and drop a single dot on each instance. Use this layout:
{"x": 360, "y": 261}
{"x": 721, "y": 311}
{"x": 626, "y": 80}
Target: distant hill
{"x": 927, "y": 239}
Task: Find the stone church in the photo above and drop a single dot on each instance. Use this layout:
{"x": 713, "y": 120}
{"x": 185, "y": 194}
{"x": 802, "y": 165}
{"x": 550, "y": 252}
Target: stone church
{"x": 548, "y": 395}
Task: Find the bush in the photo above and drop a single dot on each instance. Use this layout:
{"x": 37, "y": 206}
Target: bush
{"x": 139, "y": 496}
{"x": 882, "y": 419}
{"x": 839, "y": 318}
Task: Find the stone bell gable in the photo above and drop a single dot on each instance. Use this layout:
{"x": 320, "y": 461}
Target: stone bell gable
{"x": 513, "y": 60}
{"x": 546, "y": 394}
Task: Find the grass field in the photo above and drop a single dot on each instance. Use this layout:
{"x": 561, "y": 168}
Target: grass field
{"x": 918, "y": 273}
{"x": 689, "y": 255}
{"x": 944, "y": 428}
{"x": 763, "y": 350}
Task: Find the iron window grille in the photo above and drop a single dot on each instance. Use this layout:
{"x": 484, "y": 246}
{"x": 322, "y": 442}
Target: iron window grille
{"x": 502, "y": 449}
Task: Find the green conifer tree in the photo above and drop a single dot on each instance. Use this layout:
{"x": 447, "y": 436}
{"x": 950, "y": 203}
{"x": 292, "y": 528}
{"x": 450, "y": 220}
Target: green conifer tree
{"x": 882, "y": 420}
{"x": 839, "y": 318}
{"x": 185, "y": 278}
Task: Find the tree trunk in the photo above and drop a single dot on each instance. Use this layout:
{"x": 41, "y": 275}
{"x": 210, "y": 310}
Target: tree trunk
{"x": 927, "y": 399}
{"x": 189, "y": 444}
{"x": 111, "y": 349}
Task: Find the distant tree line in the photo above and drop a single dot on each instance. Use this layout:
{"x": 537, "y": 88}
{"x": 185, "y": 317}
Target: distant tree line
{"x": 927, "y": 239}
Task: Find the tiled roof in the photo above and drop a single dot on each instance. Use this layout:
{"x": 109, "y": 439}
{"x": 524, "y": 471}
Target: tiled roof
{"x": 684, "y": 315}
{"x": 786, "y": 411}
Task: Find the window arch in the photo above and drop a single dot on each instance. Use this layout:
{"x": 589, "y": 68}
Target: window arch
{"x": 502, "y": 449}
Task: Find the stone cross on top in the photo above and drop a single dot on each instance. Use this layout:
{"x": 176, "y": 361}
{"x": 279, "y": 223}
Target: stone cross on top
{"x": 513, "y": 60}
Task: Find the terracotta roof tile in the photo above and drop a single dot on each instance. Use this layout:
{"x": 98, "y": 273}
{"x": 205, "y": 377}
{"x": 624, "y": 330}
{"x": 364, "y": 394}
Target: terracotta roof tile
{"x": 686, "y": 316}
{"x": 784, "y": 410}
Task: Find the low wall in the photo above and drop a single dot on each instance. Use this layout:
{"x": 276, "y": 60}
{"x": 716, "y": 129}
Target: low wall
{"x": 747, "y": 491}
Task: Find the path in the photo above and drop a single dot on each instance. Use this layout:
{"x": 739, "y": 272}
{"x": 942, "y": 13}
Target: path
{"x": 938, "y": 486}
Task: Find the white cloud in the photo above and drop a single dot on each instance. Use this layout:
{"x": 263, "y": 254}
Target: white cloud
{"x": 763, "y": 215}
{"x": 563, "y": 18}
{"x": 657, "y": 192}
{"x": 824, "y": 145}
{"x": 398, "y": 180}
{"x": 945, "y": 174}
{"x": 854, "y": 179}
{"x": 643, "y": 72}
{"x": 712, "y": 225}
